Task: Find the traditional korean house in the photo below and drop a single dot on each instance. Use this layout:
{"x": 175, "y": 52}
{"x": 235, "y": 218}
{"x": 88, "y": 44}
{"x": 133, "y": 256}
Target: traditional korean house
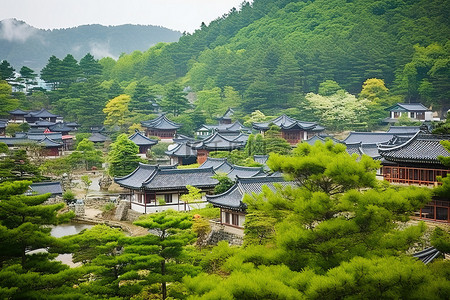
{"x": 64, "y": 128}
{"x": 153, "y": 188}
{"x": 144, "y": 143}
{"x": 161, "y": 127}
{"x": 215, "y": 142}
{"x": 17, "y": 116}
{"x": 182, "y": 154}
{"x": 233, "y": 129}
{"x": 414, "y": 111}
{"x": 245, "y": 172}
{"x": 40, "y": 188}
{"x": 219, "y": 165}
{"x": 40, "y": 115}
{"x": 52, "y": 148}
{"x": 232, "y": 207}
{"x": 415, "y": 161}
{"x": 404, "y": 130}
{"x": 292, "y": 130}
{"x": 226, "y": 118}
{"x": 97, "y": 137}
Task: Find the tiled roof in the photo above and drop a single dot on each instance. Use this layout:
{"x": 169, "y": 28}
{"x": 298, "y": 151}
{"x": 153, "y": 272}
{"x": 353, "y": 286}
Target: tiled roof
{"x": 18, "y": 112}
{"x": 240, "y": 171}
{"x": 368, "y": 137}
{"x": 62, "y": 127}
{"x": 260, "y": 159}
{"x": 175, "y": 179}
{"x": 42, "y": 123}
{"x": 180, "y": 138}
{"x": 13, "y": 141}
{"x": 141, "y": 140}
{"x": 232, "y": 199}
{"x": 360, "y": 149}
{"x": 56, "y": 136}
{"x": 218, "y": 164}
{"x": 404, "y": 129}
{"x": 422, "y": 148}
{"x": 182, "y": 150}
{"x": 49, "y": 143}
{"x": 217, "y": 142}
{"x": 43, "y": 113}
{"x": 46, "y": 187}
{"x": 161, "y": 123}
{"x": 3, "y": 124}
{"x": 407, "y": 107}
{"x": 97, "y": 137}
{"x": 285, "y": 122}
{"x": 140, "y": 175}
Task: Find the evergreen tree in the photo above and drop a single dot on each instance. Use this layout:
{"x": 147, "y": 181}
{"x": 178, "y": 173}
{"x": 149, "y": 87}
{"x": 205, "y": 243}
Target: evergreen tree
{"x": 174, "y": 100}
{"x": 123, "y": 157}
{"x": 90, "y": 66}
{"x": 7, "y": 102}
{"x": 6, "y": 71}
{"x": 52, "y": 72}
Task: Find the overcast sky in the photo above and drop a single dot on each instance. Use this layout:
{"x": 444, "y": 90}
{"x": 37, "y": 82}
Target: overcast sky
{"x": 181, "y": 15}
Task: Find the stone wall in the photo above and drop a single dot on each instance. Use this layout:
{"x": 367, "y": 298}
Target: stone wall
{"x": 133, "y": 215}
{"x": 53, "y": 200}
{"x": 219, "y": 233}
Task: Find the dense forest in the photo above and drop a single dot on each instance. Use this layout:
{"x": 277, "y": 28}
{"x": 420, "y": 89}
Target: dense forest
{"x": 302, "y": 58}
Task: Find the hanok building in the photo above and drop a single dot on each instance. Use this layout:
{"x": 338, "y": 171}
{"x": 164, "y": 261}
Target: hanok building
{"x": 161, "y": 127}
{"x": 234, "y": 129}
{"x": 153, "y": 188}
{"x": 97, "y": 138}
{"x": 40, "y": 188}
{"x": 3, "y": 124}
{"x": 182, "y": 154}
{"x": 226, "y": 118}
{"x": 144, "y": 143}
{"x": 219, "y": 165}
{"x": 215, "y": 142}
{"x": 232, "y": 207}
{"x": 414, "y": 111}
{"x": 292, "y": 130}
{"x": 416, "y": 160}
{"x": 40, "y": 115}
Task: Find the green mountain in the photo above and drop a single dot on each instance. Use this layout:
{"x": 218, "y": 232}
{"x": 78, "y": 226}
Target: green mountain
{"x": 22, "y": 44}
{"x": 273, "y": 51}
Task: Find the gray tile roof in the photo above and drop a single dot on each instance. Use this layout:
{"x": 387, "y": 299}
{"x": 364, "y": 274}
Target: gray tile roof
{"x": 141, "y": 140}
{"x": 62, "y": 127}
{"x": 97, "y": 137}
{"x": 285, "y": 122}
{"x": 260, "y": 159}
{"x": 218, "y": 164}
{"x": 176, "y": 179}
{"x": 404, "y": 129}
{"x": 46, "y": 142}
{"x": 42, "y": 123}
{"x": 43, "y": 113}
{"x": 232, "y": 199}
{"x": 368, "y": 137}
{"x": 240, "y": 171}
{"x": 217, "y": 142}
{"x": 37, "y": 136}
{"x": 141, "y": 174}
{"x": 407, "y": 107}
{"x": 182, "y": 150}
{"x": 360, "y": 149}
{"x": 161, "y": 123}
{"x": 18, "y": 112}
{"x": 180, "y": 138}
{"x": 13, "y": 141}
{"x": 421, "y": 148}
{"x": 46, "y": 187}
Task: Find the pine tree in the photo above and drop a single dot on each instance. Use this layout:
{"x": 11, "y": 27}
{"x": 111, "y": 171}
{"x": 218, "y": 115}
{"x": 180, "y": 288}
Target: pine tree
{"x": 123, "y": 157}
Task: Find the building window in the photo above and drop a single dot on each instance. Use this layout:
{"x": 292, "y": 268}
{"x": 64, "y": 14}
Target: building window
{"x": 168, "y": 198}
{"x": 235, "y": 219}
{"x": 412, "y": 115}
{"x": 227, "y": 218}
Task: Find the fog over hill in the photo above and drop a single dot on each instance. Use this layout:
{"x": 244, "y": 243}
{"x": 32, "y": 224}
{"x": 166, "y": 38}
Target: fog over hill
{"x": 22, "y": 44}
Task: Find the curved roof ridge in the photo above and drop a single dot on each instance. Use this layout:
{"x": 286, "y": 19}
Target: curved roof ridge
{"x": 140, "y": 166}
{"x": 230, "y": 190}
{"x": 381, "y": 149}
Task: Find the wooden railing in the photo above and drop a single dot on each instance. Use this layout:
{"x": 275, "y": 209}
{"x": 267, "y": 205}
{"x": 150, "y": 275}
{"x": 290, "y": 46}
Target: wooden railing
{"x": 409, "y": 175}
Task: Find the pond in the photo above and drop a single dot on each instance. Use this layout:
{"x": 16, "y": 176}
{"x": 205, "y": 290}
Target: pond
{"x": 68, "y": 229}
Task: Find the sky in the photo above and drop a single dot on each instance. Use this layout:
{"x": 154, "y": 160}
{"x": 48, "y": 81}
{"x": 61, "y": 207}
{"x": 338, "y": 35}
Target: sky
{"x": 181, "y": 15}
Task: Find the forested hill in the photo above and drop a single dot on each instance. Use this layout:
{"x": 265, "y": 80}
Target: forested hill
{"x": 270, "y": 51}
{"x": 22, "y": 44}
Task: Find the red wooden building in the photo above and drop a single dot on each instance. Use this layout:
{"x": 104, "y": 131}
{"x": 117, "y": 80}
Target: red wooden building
{"x": 161, "y": 127}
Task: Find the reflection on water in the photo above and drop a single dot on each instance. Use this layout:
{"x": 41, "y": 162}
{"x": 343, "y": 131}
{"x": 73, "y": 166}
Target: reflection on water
{"x": 68, "y": 229}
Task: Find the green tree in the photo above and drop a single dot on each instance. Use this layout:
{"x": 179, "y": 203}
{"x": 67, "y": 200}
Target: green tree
{"x": 123, "y": 157}
{"x": 225, "y": 183}
{"x": 209, "y": 101}
{"x": 174, "y": 100}
{"x": 143, "y": 98}
{"x": 374, "y": 90}
{"x": 70, "y": 70}
{"x": 86, "y": 183}
{"x": 329, "y": 87}
{"x": 170, "y": 228}
{"x": 6, "y": 71}
{"x": 52, "y": 72}
{"x": 116, "y": 111}
{"x": 194, "y": 195}
{"x": 27, "y": 77}
{"x": 7, "y": 102}
{"x": 86, "y": 155}
{"x": 90, "y": 66}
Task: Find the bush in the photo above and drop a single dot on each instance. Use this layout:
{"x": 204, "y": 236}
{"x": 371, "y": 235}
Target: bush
{"x": 69, "y": 197}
